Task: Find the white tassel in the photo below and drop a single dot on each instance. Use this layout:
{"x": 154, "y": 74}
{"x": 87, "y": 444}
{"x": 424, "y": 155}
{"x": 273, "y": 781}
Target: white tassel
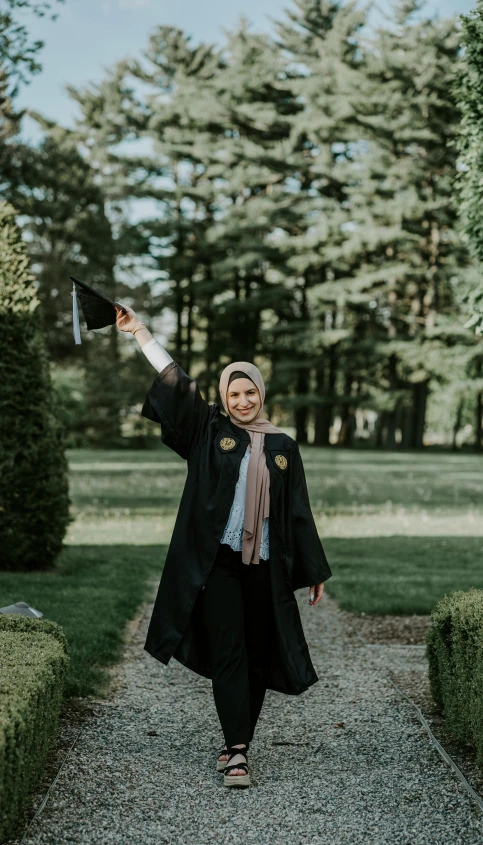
{"x": 75, "y": 315}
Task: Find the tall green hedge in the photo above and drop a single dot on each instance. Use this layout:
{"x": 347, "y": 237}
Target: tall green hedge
{"x": 33, "y": 663}
{"x": 34, "y": 498}
{"x": 455, "y": 653}
{"x": 468, "y": 183}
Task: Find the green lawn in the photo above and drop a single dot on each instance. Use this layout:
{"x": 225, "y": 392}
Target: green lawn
{"x": 400, "y": 530}
{"x": 92, "y": 593}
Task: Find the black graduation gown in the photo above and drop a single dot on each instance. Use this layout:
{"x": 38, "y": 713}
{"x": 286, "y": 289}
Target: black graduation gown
{"x": 213, "y": 448}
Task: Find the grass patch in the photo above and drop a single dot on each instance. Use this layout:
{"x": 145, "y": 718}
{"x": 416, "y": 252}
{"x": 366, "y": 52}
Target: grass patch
{"x": 399, "y": 574}
{"x": 400, "y": 529}
{"x": 92, "y": 594}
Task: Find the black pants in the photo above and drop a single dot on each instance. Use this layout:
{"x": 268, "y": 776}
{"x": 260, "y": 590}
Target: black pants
{"x": 237, "y": 612}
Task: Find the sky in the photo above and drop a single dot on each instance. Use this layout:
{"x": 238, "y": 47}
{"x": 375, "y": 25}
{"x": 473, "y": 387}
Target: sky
{"x": 91, "y": 35}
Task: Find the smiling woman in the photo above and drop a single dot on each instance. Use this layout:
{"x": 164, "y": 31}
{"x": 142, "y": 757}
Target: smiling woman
{"x": 243, "y": 397}
{"x": 243, "y": 541}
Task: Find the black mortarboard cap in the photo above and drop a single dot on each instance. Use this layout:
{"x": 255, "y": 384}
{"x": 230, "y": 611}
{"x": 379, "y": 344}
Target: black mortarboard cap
{"x": 97, "y": 308}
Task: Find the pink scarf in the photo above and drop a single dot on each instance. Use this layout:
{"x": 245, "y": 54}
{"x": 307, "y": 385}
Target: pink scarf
{"x": 257, "y": 498}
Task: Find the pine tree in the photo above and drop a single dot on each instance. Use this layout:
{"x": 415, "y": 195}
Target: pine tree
{"x": 253, "y": 162}
{"x": 296, "y": 207}
{"x": 9, "y": 126}
{"x": 403, "y": 225}
{"x": 469, "y": 93}
{"x": 217, "y": 172}
{"x": 321, "y": 41}
{"x": 69, "y": 234}
{"x": 19, "y": 60}
{"x": 19, "y": 56}
{"x": 166, "y": 244}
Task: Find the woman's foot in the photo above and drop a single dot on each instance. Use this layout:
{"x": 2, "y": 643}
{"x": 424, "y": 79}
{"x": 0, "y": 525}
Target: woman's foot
{"x": 223, "y": 759}
{"x": 224, "y": 755}
{"x": 236, "y": 771}
{"x": 238, "y": 759}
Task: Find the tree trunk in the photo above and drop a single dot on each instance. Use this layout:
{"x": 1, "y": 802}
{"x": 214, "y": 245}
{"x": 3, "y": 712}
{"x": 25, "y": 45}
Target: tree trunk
{"x": 189, "y": 328}
{"x": 407, "y": 425}
{"x": 326, "y": 380}
{"x": 420, "y": 399}
{"x": 379, "y": 436}
{"x": 321, "y": 416}
{"x": 301, "y": 413}
{"x": 346, "y": 433}
{"x": 104, "y": 388}
{"x": 457, "y": 425}
{"x": 390, "y": 441}
{"x": 479, "y": 415}
{"x": 178, "y": 297}
{"x": 392, "y": 416}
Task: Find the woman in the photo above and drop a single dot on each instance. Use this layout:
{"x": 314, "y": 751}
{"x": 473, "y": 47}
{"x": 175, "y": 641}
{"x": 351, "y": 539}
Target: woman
{"x": 243, "y": 541}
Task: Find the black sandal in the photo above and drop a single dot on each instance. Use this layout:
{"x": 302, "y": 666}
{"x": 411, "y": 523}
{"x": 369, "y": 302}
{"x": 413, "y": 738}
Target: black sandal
{"x": 236, "y": 780}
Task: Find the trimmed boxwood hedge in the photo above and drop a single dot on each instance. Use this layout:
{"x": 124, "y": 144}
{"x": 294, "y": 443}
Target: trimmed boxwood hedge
{"x": 33, "y": 663}
{"x": 455, "y": 653}
{"x": 34, "y": 484}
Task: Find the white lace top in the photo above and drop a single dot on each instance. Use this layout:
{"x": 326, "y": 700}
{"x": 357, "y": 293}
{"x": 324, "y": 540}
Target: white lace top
{"x": 233, "y": 532}
{"x": 232, "y": 535}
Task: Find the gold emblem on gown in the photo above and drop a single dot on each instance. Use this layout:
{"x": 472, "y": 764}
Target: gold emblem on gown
{"x": 227, "y": 443}
{"x": 281, "y": 461}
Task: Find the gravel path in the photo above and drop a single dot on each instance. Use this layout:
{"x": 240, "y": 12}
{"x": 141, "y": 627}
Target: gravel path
{"x": 345, "y": 762}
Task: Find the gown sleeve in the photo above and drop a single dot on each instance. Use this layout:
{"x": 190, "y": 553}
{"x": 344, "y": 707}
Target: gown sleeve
{"x": 174, "y": 400}
{"x": 156, "y": 354}
{"x": 310, "y": 564}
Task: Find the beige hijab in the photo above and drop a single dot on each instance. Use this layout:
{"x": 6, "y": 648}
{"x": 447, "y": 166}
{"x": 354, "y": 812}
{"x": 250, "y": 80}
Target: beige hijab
{"x": 257, "y": 497}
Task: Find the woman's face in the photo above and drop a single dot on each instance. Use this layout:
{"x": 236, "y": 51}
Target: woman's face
{"x": 243, "y": 399}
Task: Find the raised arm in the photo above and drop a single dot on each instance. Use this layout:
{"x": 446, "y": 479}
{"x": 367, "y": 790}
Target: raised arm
{"x": 174, "y": 399}
{"x": 156, "y": 354}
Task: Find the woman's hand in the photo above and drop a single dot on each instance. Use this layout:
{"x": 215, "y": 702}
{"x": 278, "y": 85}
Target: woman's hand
{"x": 128, "y": 320}
{"x": 315, "y": 594}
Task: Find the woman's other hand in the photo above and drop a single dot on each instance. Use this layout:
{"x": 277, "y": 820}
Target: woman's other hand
{"x": 128, "y": 320}
{"x": 315, "y": 594}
